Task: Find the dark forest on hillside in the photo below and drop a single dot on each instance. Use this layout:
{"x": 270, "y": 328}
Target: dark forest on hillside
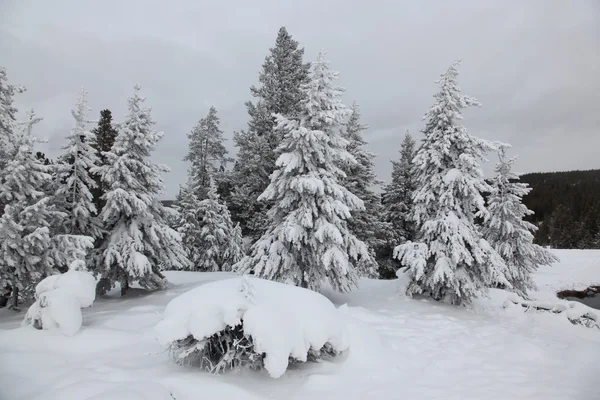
{"x": 567, "y": 208}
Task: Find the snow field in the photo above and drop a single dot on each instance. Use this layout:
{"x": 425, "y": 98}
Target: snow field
{"x": 400, "y": 348}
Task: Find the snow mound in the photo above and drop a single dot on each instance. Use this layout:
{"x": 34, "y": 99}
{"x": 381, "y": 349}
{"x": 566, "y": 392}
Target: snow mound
{"x": 59, "y": 300}
{"x": 283, "y": 321}
{"x": 79, "y": 284}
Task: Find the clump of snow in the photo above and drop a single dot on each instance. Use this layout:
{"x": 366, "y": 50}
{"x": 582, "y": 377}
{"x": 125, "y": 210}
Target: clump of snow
{"x": 60, "y": 298}
{"x": 76, "y": 282}
{"x": 283, "y": 321}
{"x": 452, "y": 175}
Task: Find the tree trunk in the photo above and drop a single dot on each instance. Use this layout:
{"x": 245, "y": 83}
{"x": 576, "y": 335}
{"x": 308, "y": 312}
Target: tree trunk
{"x": 14, "y": 299}
{"x": 124, "y": 285}
{"x": 4, "y": 300}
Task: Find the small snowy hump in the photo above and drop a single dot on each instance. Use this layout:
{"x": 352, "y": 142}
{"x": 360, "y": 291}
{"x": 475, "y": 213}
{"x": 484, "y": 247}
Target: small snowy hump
{"x": 80, "y": 284}
{"x": 452, "y": 175}
{"x": 283, "y": 321}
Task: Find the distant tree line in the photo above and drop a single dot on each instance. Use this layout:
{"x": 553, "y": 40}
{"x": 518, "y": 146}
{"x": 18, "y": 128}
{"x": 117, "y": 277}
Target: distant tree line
{"x": 567, "y": 208}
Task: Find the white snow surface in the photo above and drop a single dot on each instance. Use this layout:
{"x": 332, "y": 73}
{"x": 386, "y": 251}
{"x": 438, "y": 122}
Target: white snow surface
{"x": 284, "y": 321}
{"x": 400, "y": 348}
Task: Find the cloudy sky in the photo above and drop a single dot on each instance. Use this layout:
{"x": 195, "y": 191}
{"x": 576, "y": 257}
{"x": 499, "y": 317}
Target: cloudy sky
{"x": 534, "y": 65}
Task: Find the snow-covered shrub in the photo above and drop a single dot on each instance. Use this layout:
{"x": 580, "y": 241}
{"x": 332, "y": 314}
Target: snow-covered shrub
{"x": 577, "y": 313}
{"x": 251, "y": 322}
{"x": 60, "y": 298}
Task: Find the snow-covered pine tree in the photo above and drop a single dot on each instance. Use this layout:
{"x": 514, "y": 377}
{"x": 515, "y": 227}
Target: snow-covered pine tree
{"x": 397, "y": 207}
{"x": 450, "y": 260}
{"x": 397, "y": 195}
{"x": 507, "y": 231}
{"x": 74, "y": 179}
{"x": 7, "y": 120}
{"x": 104, "y": 138}
{"x": 279, "y": 92}
{"x": 29, "y": 251}
{"x": 139, "y": 242}
{"x": 308, "y": 240}
{"x": 367, "y": 225}
{"x": 207, "y": 154}
{"x": 211, "y": 240}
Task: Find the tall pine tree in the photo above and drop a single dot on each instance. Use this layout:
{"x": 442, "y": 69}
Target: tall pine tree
{"x": 508, "y": 232}
{"x": 279, "y": 92}
{"x": 104, "y": 138}
{"x": 397, "y": 195}
{"x": 397, "y": 207}
{"x": 450, "y": 260}
{"x": 8, "y": 120}
{"x": 139, "y": 243}
{"x": 29, "y": 249}
{"x": 308, "y": 240}
{"x": 207, "y": 154}
{"x": 367, "y": 224}
{"x": 75, "y": 181}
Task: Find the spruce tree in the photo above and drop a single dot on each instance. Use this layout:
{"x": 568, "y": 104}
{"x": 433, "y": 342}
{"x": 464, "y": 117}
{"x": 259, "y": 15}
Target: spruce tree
{"x": 139, "y": 242}
{"x": 308, "y": 240}
{"x": 75, "y": 181}
{"x": 207, "y": 154}
{"x": 8, "y": 120}
{"x": 104, "y": 138}
{"x": 397, "y": 195}
{"x": 397, "y": 206}
{"x": 211, "y": 240}
{"x": 508, "y": 232}
{"x": 450, "y": 260}
{"x": 367, "y": 224}
{"x": 29, "y": 249}
{"x": 279, "y": 92}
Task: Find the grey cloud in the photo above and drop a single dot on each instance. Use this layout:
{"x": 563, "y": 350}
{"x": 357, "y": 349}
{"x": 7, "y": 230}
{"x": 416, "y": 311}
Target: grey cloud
{"x": 533, "y": 65}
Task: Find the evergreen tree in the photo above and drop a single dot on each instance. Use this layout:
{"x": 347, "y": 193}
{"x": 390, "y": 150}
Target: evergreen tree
{"x": 104, "y": 138}
{"x": 139, "y": 243}
{"x": 507, "y": 231}
{"x": 367, "y": 224}
{"x": 308, "y": 240}
{"x": 211, "y": 240}
{"x": 207, "y": 154}
{"x": 7, "y": 120}
{"x": 74, "y": 176}
{"x": 450, "y": 260}
{"x": 397, "y": 207}
{"x": 279, "y": 92}
{"x": 397, "y": 195}
{"x": 29, "y": 251}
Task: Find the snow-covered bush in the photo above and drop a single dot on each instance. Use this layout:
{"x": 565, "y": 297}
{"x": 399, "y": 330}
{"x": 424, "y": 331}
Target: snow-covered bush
{"x": 577, "y": 313}
{"x": 60, "y": 298}
{"x": 251, "y": 322}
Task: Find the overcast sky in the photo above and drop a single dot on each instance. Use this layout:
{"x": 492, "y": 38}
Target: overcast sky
{"x": 534, "y": 65}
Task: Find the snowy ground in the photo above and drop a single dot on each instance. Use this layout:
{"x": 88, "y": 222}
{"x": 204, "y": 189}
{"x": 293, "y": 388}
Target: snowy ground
{"x": 400, "y": 349}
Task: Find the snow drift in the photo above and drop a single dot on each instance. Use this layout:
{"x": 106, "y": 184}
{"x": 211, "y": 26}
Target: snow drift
{"x": 248, "y": 321}
{"x": 59, "y": 300}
